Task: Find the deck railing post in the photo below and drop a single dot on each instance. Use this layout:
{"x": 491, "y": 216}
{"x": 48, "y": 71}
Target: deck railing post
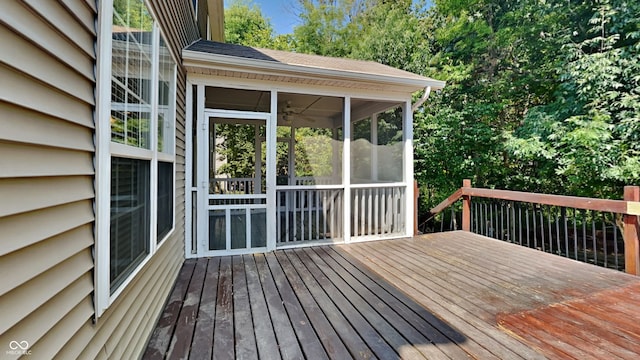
{"x": 631, "y": 248}
{"x": 466, "y": 207}
{"x": 416, "y": 193}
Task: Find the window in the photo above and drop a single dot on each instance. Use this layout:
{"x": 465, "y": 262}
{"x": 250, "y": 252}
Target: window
{"x": 165, "y": 199}
{"x": 130, "y": 217}
{"x": 135, "y": 125}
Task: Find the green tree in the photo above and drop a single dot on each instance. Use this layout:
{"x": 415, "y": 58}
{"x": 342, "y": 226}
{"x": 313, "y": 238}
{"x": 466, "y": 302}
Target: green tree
{"x": 244, "y": 24}
{"x": 590, "y": 132}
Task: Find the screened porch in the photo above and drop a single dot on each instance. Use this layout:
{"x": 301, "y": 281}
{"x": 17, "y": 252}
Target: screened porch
{"x": 294, "y": 150}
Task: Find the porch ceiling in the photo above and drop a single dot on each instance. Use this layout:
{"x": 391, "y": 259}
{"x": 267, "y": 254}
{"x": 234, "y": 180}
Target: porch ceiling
{"x": 307, "y": 107}
{"x": 235, "y": 61}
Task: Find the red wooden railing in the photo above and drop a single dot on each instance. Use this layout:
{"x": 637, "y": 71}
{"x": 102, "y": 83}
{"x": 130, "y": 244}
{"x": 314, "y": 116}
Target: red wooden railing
{"x": 629, "y": 208}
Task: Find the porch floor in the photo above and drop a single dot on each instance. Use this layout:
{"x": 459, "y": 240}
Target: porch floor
{"x": 450, "y": 295}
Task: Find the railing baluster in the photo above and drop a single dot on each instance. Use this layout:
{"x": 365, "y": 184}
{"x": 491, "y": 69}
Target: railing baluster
{"x": 563, "y": 211}
{"x": 615, "y": 242}
{"x": 594, "y": 238}
{"x": 451, "y": 221}
{"x": 575, "y": 236}
{"x": 369, "y": 212}
{"x": 317, "y": 207}
{"x": 361, "y": 221}
{"x": 558, "y": 240}
{"x": 604, "y": 240}
{"x": 550, "y": 230}
{"x": 526, "y": 215}
{"x": 519, "y": 224}
{"x": 497, "y": 229}
{"x": 310, "y": 217}
{"x": 535, "y": 233}
{"x": 287, "y": 204}
{"x": 544, "y": 247}
{"x": 333, "y": 215}
{"x": 376, "y": 212}
{"x": 584, "y": 237}
{"x": 279, "y": 217}
{"x": 477, "y": 224}
{"x": 491, "y": 220}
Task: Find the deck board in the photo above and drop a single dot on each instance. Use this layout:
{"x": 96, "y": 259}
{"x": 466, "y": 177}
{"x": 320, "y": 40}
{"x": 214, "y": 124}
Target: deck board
{"x": 327, "y": 335}
{"x": 203, "y": 333}
{"x": 265, "y": 336}
{"x": 289, "y": 346}
{"x": 442, "y": 296}
{"x": 223, "y": 337}
{"x": 307, "y": 338}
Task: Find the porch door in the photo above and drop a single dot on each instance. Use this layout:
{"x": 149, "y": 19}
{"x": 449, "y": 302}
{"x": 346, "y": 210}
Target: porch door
{"x": 235, "y": 212}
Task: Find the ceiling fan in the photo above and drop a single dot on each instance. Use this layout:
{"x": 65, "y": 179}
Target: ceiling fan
{"x": 288, "y": 114}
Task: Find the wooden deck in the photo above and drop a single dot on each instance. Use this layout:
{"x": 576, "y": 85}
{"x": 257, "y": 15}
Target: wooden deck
{"x": 450, "y": 295}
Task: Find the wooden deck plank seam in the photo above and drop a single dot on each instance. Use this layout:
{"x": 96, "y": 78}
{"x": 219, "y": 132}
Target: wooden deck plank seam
{"x": 374, "y": 339}
{"x": 288, "y": 342}
{"x": 202, "y": 342}
{"x": 285, "y": 291}
{"x": 392, "y": 334}
{"x": 347, "y": 333}
{"x": 267, "y": 343}
{"x": 329, "y": 338}
{"x": 436, "y": 322}
{"x": 545, "y": 264}
{"x": 401, "y": 297}
{"x": 446, "y": 289}
{"x": 497, "y": 343}
{"x": 406, "y": 329}
{"x": 467, "y": 280}
{"x": 556, "y": 265}
{"x": 544, "y": 298}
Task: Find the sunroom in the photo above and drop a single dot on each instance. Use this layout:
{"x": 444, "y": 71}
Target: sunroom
{"x": 287, "y": 149}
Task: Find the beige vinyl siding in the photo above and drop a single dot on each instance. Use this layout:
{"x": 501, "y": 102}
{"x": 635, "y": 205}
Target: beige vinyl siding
{"x": 47, "y": 179}
{"x": 46, "y": 175}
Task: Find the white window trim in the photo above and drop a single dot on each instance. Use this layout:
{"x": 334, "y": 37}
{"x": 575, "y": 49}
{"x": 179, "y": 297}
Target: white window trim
{"x": 106, "y": 149}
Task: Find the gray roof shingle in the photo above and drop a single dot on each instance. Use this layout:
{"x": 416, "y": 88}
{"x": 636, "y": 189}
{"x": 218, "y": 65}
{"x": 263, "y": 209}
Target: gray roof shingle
{"x": 305, "y": 60}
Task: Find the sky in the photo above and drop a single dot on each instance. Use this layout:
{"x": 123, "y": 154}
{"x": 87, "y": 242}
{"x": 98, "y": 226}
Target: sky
{"x": 281, "y": 13}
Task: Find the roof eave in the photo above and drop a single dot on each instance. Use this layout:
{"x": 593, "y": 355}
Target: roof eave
{"x": 200, "y": 59}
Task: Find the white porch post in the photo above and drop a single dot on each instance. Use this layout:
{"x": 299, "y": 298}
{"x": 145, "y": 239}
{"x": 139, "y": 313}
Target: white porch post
{"x": 202, "y": 214}
{"x": 188, "y": 193}
{"x": 374, "y": 147}
{"x": 257, "y": 186}
{"x": 292, "y": 156}
{"x": 407, "y": 136}
{"x": 335, "y": 155}
{"x": 272, "y": 141}
{"x": 346, "y": 170}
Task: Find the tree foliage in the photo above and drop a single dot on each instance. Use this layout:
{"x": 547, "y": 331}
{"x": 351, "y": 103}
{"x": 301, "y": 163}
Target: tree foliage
{"x": 541, "y": 95}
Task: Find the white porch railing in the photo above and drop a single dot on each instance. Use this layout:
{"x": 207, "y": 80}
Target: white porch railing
{"x": 314, "y": 180}
{"x": 232, "y": 185}
{"x": 309, "y": 213}
{"x": 378, "y": 210}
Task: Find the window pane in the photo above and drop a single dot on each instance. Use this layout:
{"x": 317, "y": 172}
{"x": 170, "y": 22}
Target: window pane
{"x": 131, "y": 73}
{"x": 217, "y": 230}
{"x": 166, "y": 99}
{"x": 165, "y": 199}
{"x": 258, "y": 228}
{"x": 238, "y": 229}
{"x": 130, "y": 216}
{"x": 377, "y": 147}
{"x": 234, "y": 160}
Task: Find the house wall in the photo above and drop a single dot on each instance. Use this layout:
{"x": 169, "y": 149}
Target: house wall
{"x": 47, "y": 103}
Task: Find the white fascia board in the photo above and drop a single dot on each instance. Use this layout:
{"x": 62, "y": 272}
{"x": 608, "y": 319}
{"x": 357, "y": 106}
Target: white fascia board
{"x": 226, "y": 62}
